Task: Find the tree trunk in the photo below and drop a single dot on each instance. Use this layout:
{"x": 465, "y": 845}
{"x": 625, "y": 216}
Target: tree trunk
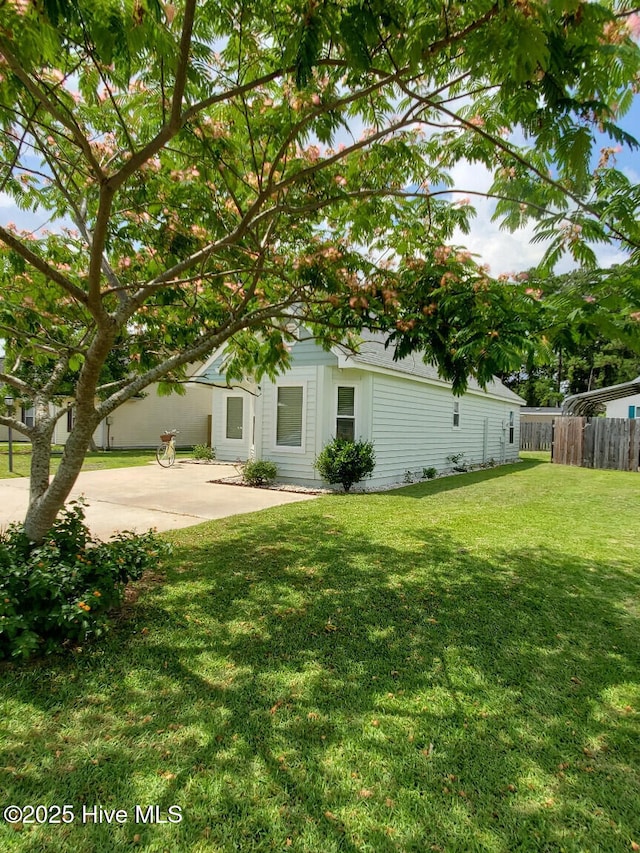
{"x": 47, "y": 496}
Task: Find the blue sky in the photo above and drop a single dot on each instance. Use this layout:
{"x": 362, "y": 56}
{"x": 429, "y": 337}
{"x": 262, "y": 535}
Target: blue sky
{"x": 506, "y": 252}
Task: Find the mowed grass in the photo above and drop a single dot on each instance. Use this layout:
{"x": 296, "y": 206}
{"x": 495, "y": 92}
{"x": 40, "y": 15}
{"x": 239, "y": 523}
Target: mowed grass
{"x": 97, "y": 461}
{"x": 454, "y": 666}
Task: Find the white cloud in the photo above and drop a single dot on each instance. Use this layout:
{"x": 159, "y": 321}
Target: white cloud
{"x": 503, "y": 250}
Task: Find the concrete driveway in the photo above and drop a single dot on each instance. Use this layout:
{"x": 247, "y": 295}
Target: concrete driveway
{"x": 150, "y": 496}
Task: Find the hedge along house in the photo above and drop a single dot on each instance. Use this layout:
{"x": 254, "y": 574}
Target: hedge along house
{"x": 409, "y": 413}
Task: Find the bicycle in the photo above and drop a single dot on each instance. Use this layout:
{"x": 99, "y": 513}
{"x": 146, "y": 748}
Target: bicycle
{"x": 166, "y": 452}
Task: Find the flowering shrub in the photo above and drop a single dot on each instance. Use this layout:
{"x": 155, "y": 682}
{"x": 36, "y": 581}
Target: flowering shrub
{"x": 62, "y": 591}
{"x": 346, "y": 462}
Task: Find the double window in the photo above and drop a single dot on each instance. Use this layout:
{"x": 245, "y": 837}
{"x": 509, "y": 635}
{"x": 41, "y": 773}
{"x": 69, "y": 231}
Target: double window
{"x": 290, "y": 418}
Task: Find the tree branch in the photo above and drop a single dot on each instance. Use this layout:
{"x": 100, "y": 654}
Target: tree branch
{"x": 42, "y": 266}
{"x": 43, "y": 97}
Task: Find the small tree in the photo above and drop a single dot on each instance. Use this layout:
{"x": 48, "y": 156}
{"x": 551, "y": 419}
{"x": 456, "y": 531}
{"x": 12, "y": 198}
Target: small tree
{"x": 346, "y": 462}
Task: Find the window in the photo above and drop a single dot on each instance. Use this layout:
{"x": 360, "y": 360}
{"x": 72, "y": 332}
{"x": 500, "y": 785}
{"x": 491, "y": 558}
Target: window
{"x": 71, "y": 417}
{"x": 456, "y": 414}
{"x": 289, "y": 417}
{"x": 28, "y": 416}
{"x": 512, "y": 427}
{"x": 632, "y": 411}
{"x": 346, "y": 413}
{"x": 235, "y": 417}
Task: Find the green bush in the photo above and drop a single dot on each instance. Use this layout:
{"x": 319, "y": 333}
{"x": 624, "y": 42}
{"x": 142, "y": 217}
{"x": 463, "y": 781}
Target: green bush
{"x": 202, "y": 451}
{"x": 429, "y": 473}
{"x": 62, "y": 591}
{"x": 346, "y": 462}
{"x": 259, "y": 472}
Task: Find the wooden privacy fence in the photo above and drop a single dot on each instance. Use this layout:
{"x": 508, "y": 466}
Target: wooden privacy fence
{"x": 597, "y": 442}
{"x": 535, "y": 436}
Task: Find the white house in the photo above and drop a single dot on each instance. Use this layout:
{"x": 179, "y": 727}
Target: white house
{"x": 409, "y": 413}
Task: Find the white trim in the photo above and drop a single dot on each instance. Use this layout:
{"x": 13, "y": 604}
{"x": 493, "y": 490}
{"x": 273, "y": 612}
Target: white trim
{"x": 287, "y": 448}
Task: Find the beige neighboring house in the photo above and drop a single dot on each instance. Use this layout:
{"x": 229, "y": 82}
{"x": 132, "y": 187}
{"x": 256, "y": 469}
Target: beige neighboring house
{"x": 26, "y": 416}
{"x": 139, "y": 421}
{"x": 539, "y": 414}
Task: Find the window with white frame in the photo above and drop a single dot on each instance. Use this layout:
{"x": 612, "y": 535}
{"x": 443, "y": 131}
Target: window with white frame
{"x": 456, "y": 414}
{"x": 235, "y": 418}
{"x": 28, "y": 416}
{"x": 512, "y": 427}
{"x": 346, "y": 413}
{"x": 289, "y": 418}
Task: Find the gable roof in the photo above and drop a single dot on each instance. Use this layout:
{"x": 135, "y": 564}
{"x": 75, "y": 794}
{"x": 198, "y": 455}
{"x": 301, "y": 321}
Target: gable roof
{"x": 373, "y": 353}
{"x": 591, "y": 402}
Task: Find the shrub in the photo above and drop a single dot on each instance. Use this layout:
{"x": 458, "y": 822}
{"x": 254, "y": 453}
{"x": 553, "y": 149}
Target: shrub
{"x": 62, "y": 591}
{"x": 202, "y": 451}
{"x": 458, "y": 462}
{"x": 259, "y": 472}
{"x": 429, "y": 473}
{"x": 346, "y": 462}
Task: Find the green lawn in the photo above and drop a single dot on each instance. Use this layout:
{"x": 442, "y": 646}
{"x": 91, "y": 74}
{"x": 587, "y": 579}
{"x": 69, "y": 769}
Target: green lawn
{"x": 98, "y": 461}
{"x": 454, "y": 666}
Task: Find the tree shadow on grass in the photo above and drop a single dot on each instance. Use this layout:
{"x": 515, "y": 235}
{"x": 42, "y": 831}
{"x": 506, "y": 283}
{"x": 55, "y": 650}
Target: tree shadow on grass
{"x": 346, "y": 696}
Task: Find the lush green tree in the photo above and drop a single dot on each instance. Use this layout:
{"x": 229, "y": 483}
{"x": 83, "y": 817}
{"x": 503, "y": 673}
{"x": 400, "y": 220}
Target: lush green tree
{"x": 589, "y": 334}
{"x": 218, "y": 172}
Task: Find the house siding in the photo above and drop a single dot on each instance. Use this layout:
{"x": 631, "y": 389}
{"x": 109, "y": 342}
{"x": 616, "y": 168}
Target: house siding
{"x": 139, "y": 422}
{"x": 620, "y": 408}
{"x": 294, "y": 465}
{"x": 412, "y": 428}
